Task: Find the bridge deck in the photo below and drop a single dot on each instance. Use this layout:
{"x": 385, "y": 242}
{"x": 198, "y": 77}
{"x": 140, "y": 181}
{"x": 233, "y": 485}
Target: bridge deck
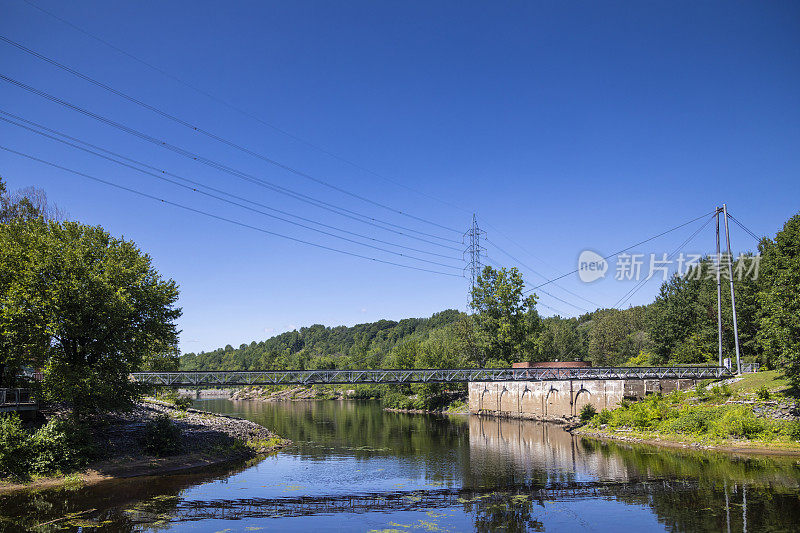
{"x": 445, "y": 375}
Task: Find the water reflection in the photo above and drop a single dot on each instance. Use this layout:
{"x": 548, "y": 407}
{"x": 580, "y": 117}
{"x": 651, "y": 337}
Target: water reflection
{"x": 372, "y": 469}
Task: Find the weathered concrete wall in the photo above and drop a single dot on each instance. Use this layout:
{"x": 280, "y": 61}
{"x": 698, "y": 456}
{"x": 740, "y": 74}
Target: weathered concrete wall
{"x": 553, "y": 400}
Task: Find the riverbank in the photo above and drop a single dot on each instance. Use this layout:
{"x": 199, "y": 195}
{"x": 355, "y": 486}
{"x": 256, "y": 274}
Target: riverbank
{"x": 119, "y": 439}
{"x": 755, "y": 414}
{"x": 676, "y": 442}
{"x": 298, "y": 393}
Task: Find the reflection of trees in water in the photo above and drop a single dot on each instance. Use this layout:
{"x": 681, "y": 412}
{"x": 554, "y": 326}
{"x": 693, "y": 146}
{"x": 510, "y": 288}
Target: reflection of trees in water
{"x": 105, "y": 504}
{"x": 679, "y": 505}
{"x": 510, "y": 469}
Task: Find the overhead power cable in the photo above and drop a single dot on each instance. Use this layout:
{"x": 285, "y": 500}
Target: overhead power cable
{"x": 627, "y": 296}
{"x": 498, "y": 265}
{"x": 239, "y": 174}
{"x": 224, "y": 219}
{"x": 626, "y": 249}
{"x": 244, "y": 112}
{"x": 540, "y": 274}
{"x": 753, "y": 235}
{"x": 192, "y": 182}
{"x": 219, "y": 138}
{"x": 168, "y": 180}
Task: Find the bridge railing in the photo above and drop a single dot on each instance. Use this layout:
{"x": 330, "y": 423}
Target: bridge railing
{"x": 11, "y": 399}
{"x": 428, "y": 375}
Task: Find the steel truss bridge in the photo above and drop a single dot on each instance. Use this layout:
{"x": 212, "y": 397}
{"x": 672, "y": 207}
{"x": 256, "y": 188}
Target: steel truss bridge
{"x": 430, "y": 375}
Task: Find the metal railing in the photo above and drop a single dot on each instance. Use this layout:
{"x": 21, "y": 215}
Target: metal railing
{"x": 749, "y": 368}
{"x": 428, "y": 375}
{"x": 15, "y": 398}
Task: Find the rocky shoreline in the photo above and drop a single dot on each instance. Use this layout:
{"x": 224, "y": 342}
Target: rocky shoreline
{"x": 205, "y": 439}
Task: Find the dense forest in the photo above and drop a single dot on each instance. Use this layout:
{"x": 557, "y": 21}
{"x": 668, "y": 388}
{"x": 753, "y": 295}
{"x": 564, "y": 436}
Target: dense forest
{"x": 679, "y": 327}
{"x": 320, "y": 347}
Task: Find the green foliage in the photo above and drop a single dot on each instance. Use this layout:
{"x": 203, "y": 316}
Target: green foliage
{"x": 779, "y": 299}
{"x": 763, "y": 393}
{"x": 183, "y": 402}
{"x": 86, "y": 307}
{"x": 642, "y": 359}
{"x": 683, "y": 324}
{"x": 384, "y": 343}
{"x": 55, "y": 447}
{"x": 506, "y": 321}
{"x": 588, "y": 412}
{"x": 161, "y": 436}
{"x": 15, "y": 449}
{"x": 674, "y": 415}
{"x": 602, "y": 418}
{"x": 396, "y": 400}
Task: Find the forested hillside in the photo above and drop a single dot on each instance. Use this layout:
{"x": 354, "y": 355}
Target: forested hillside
{"x": 319, "y": 346}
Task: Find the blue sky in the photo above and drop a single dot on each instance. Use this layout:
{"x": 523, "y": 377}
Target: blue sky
{"x": 564, "y": 126}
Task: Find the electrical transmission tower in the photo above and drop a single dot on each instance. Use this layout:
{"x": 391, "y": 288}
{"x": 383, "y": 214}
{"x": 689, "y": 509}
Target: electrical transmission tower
{"x": 472, "y": 254}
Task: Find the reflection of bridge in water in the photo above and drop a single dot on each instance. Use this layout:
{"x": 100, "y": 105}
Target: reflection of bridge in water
{"x": 538, "y": 446}
{"x": 416, "y": 375}
{"x": 401, "y": 501}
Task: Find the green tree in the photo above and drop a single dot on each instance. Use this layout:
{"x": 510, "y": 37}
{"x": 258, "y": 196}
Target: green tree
{"x": 779, "y": 296}
{"x": 506, "y": 321}
{"x": 87, "y": 307}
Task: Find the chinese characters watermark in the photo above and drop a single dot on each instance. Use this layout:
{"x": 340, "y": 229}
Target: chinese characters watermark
{"x": 637, "y": 266}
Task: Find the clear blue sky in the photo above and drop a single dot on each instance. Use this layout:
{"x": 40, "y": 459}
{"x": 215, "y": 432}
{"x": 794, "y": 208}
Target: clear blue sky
{"x": 563, "y": 125}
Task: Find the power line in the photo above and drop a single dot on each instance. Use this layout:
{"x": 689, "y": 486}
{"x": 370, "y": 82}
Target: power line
{"x": 756, "y": 237}
{"x": 187, "y": 180}
{"x": 216, "y": 137}
{"x": 163, "y": 178}
{"x": 627, "y": 296}
{"x": 540, "y": 274}
{"x": 224, "y": 219}
{"x": 241, "y": 175}
{"x": 497, "y": 264}
{"x": 626, "y": 249}
{"x": 244, "y": 112}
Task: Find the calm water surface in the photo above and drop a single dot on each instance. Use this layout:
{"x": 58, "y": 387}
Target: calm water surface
{"x": 354, "y": 467}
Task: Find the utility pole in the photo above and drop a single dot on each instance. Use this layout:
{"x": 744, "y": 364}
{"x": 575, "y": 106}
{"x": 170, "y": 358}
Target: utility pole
{"x": 733, "y": 297}
{"x": 719, "y": 293}
{"x": 473, "y": 253}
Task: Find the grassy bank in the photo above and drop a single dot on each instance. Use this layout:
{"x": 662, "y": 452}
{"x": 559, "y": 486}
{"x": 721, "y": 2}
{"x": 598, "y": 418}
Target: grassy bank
{"x": 154, "y": 437}
{"x": 758, "y": 411}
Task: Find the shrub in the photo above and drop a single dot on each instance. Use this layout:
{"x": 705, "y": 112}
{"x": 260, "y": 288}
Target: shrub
{"x": 161, "y": 436}
{"x": 603, "y": 417}
{"x": 54, "y": 447}
{"x": 587, "y": 412}
{"x": 396, "y": 400}
{"x": 738, "y": 421}
{"x": 15, "y": 449}
{"x": 183, "y": 402}
{"x": 763, "y": 393}
{"x": 721, "y": 392}
{"x": 691, "y": 420}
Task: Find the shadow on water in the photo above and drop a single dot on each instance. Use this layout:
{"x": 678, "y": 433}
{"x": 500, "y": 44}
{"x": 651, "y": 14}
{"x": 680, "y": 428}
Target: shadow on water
{"x": 457, "y": 472}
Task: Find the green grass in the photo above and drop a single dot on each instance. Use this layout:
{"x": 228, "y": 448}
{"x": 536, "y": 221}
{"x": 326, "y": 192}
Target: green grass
{"x": 773, "y": 380}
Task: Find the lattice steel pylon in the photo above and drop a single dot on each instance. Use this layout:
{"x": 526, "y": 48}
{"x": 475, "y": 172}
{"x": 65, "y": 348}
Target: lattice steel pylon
{"x": 472, "y": 254}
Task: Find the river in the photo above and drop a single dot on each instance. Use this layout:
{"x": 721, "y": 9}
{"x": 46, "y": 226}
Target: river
{"x": 354, "y": 467}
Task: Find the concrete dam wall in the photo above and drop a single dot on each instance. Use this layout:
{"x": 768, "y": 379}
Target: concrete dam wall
{"x": 562, "y": 400}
